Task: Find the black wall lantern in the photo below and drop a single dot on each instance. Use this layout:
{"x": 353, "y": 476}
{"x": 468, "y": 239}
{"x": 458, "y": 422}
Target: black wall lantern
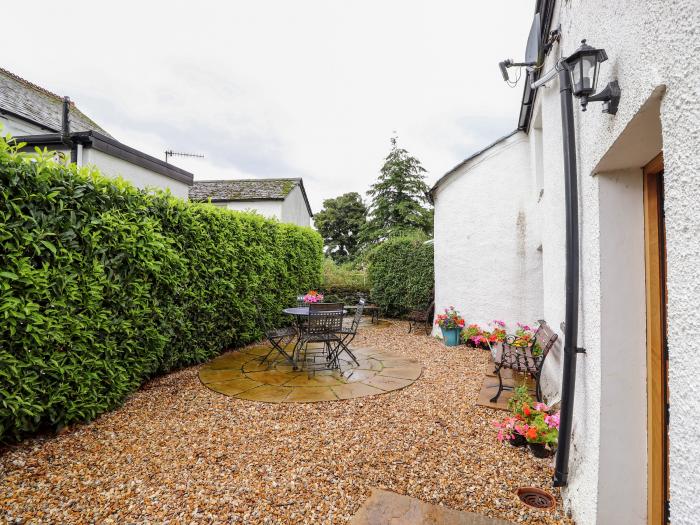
{"x": 583, "y": 65}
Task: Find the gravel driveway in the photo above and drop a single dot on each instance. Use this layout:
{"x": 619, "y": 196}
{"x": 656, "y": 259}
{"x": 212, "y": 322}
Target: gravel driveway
{"x": 177, "y": 452}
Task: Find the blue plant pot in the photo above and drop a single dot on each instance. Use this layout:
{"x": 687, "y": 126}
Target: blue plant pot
{"x": 450, "y": 336}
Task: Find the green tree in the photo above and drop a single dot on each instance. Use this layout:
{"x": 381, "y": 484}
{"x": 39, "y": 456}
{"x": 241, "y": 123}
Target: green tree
{"x": 339, "y": 223}
{"x": 399, "y": 198}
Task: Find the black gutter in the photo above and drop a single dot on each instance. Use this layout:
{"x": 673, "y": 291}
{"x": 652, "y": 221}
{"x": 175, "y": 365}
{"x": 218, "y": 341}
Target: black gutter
{"x": 561, "y": 470}
{"x": 546, "y": 10}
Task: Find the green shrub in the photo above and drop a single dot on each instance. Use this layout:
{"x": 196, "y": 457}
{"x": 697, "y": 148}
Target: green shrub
{"x": 103, "y": 286}
{"x": 401, "y": 274}
{"x": 343, "y": 283}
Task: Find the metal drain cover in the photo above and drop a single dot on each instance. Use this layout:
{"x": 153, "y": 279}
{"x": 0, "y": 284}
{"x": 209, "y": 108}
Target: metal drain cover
{"x": 536, "y": 498}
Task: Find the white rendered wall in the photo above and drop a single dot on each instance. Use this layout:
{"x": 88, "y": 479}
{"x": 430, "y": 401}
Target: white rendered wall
{"x": 648, "y": 45}
{"x": 267, "y": 208}
{"x": 487, "y": 262}
{"x": 294, "y": 208}
{"x": 623, "y": 401}
{"x": 140, "y": 177}
{"x": 17, "y": 127}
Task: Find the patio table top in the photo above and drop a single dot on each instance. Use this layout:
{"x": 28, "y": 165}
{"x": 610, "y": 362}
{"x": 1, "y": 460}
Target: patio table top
{"x": 300, "y": 310}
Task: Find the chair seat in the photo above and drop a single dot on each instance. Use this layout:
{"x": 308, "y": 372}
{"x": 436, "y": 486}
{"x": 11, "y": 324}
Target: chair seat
{"x": 282, "y": 332}
{"x": 320, "y": 338}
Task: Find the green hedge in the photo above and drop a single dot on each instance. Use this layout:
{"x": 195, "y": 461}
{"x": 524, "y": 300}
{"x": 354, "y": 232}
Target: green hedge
{"x": 401, "y": 274}
{"x": 346, "y": 294}
{"x": 343, "y": 283}
{"x": 103, "y": 286}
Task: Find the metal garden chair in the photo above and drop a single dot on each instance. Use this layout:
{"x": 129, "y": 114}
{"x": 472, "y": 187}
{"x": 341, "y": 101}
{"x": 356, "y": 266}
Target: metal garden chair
{"x": 279, "y": 338}
{"x": 323, "y": 324}
{"x": 348, "y": 333}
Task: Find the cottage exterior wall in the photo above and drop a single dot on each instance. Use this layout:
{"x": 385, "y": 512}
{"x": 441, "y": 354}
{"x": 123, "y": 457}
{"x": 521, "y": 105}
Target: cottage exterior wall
{"x": 267, "y": 208}
{"x": 649, "y": 50}
{"x": 140, "y": 177}
{"x": 652, "y": 52}
{"x": 294, "y": 208}
{"x": 487, "y": 263}
{"x": 18, "y": 127}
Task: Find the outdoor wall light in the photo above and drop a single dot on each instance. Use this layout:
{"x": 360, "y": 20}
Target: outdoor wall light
{"x": 583, "y": 65}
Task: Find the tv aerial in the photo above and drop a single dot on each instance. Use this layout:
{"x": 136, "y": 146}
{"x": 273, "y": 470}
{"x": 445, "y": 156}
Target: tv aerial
{"x": 533, "y": 53}
{"x": 171, "y": 153}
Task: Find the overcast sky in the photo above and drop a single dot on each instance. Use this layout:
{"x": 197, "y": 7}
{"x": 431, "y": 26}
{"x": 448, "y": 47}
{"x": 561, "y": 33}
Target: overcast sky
{"x": 310, "y": 89}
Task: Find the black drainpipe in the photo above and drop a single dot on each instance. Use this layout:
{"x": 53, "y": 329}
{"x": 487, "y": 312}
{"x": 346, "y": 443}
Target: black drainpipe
{"x": 561, "y": 471}
{"x": 65, "y": 130}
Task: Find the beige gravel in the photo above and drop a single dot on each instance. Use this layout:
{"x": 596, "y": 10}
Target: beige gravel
{"x": 177, "y": 452}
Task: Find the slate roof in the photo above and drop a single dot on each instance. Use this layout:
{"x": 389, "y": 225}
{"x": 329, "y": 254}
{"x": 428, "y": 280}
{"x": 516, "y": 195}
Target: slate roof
{"x": 245, "y": 190}
{"x": 30, "y": 102}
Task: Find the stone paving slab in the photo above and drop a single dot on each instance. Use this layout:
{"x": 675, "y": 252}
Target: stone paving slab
{"x": 244, "y": 375}
{"x": 388, "y": 508}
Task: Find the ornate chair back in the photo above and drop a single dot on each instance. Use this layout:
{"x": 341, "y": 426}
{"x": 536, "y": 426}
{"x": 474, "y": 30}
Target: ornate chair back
{"x": 358, "y": 315}
{"x": 324, "y": 318}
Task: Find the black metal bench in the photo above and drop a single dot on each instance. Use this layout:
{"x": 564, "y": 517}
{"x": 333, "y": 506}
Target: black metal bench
{"x": 525, "y": 359}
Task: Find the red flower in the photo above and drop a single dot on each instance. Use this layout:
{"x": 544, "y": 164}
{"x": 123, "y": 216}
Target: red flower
{"x": 526, "y": 410}
{"x": 531, "y": 433}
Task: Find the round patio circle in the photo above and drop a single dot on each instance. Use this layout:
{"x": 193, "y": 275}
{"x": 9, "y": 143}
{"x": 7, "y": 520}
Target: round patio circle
{"x": 243, "y": 375}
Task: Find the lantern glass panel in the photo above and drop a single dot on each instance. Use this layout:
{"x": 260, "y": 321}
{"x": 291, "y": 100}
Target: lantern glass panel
{"x": 584, "y": 75}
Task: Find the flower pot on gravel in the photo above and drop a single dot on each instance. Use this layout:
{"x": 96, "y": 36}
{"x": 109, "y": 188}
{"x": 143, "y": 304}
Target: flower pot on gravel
{"x": 450, "y": 336}
{"x": 539, "y": 450}
{"x": 517, "y": 440}
{"x": 451, "y": 324}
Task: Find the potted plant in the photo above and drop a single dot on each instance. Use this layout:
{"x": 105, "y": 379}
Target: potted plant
{"x": 510, "y": 431}
{"x": 542, "y": 434}
{"x": 474, "y": 336}
{"x": 523, "y": 337}
{"x": 520, "y": 402}
{"x": 313, "y": 297}
{"x": 495, "y": 338}
{"x": 451, "y": 324}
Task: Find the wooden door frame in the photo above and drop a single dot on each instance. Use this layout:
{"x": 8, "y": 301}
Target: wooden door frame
{"x": 657, "y": 358}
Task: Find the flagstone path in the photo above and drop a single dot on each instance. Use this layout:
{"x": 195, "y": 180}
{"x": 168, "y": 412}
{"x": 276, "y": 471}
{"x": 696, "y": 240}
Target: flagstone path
{"x": 244, "y": 374}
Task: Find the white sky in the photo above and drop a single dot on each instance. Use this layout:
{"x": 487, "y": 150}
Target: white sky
{"x": 283, "y": 88}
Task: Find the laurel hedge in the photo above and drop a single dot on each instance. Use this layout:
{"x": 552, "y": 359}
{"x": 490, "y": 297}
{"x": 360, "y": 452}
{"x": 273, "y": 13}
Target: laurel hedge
{"x": 103, "y": 286}
{"x": 401, "y": 274}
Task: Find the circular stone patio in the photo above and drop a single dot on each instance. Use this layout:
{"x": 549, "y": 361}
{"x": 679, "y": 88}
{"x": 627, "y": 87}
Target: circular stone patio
{"x": 241, "y": 374}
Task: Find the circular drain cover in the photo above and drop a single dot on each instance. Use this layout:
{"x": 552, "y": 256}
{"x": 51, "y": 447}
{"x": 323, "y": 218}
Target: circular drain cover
{"x": 536, "y": 498}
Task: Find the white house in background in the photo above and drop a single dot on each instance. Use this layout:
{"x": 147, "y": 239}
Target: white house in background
{"x": 282, "y": 199}
{"x": 500, "y": 252}
{"x": 34, "y": 115}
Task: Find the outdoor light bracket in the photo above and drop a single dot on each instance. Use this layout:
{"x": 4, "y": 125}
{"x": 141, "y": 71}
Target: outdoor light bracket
{"x": 610, "y": 97}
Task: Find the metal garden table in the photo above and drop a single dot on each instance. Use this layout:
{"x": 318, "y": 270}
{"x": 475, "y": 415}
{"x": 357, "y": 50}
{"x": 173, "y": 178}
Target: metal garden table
{"x": 300, "y": 312}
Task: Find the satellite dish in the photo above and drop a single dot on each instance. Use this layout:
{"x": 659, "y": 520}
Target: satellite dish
{"x": 532, "y": 50}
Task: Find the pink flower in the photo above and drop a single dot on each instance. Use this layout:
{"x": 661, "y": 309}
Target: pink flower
{"x": 541, "y": 407}
{"x": 552, "y": 421}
